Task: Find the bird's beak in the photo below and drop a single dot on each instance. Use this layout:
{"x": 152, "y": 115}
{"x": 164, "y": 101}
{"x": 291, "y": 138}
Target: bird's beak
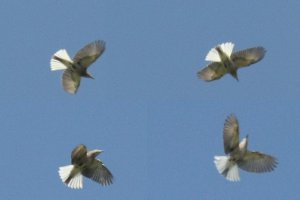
{"x": 234, "y": 75}
{"x": 89, "y": 75}
{"x": 96, "y": 152}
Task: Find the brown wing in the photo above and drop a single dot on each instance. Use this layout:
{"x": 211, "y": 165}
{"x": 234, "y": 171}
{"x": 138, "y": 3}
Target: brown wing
{"x": 78, "y": 155}
{"x": 231, "y": 134}
{"x": 248, "y": 56}
{"x": 89, "y": 54}
{"x": 70, "y": 81}
{"x": 98, "y": 173}
{"x": 212, "y": 72}
{"x": 257, "y": 162}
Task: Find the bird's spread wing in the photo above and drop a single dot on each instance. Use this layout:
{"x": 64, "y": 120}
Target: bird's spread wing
{"x": 248, "y": 56}
{"x": 212, "y": 72}
{"x": 231, "y": 134}
{"x": 79, "y": 154}
{"x": 98, "y": 172}
{"x": 70, "y": 81}
{"x": 89, "y": 54}
{"x": 257, "y": 162}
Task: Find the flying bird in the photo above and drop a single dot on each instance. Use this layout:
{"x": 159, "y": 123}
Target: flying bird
{"x": 76, "y": 68}
{"x": 84, "y": 163}
{"x": 238, "y": 156}
{"x": 224, "y": 61}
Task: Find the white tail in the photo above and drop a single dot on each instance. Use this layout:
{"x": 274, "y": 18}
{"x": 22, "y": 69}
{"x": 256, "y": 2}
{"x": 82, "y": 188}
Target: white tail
{"x": 76, "y": 182}
{"x": 213, "y": 54}
{"x": 57, "y": 65}
{"x": 227, "y": 48}
{"x": 227, "y": 168}
{"x": 233, "y": 173}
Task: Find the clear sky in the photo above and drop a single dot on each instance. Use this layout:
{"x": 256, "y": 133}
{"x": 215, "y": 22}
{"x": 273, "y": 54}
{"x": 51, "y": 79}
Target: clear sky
{"x": 159, "y": 125}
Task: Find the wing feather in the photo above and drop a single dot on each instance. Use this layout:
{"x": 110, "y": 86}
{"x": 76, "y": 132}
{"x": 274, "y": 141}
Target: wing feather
{"x": 231, "y": 134}
{"x": 99, "y": 173}
{"x": 70, "y": 81}
{"x": 79, "y": 155}
{"x": 89, "y": 54}
{"x": 257, "y": 162}
{"x": 212, "y": 72}
{"x": 248, "y": 57}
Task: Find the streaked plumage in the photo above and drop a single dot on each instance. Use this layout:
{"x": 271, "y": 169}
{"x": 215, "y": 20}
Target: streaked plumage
{"x": 76, "y": 68}
{"x": 224, "y": 61}
{"x": 238, "y": 156}
{"x": 85, "y": 164}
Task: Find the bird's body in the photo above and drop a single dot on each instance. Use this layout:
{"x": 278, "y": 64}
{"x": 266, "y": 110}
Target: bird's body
{"x": 238, "y": 155}
{"x": 84, "y": 163}
{"x": 224, "y": 61}
{"x": 76, "y": 68}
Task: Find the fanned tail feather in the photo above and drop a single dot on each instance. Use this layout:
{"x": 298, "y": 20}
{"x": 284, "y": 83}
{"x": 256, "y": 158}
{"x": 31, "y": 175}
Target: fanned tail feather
{"x": 64, "y": 172}
{"x": 227, "y": 48}
{"x": 233, "y": 173}
{"x": 76, "y": 182}
{"x": 213, "y": 54}
{"x": 56, "y": 64}
{"x": 227, "y": 168}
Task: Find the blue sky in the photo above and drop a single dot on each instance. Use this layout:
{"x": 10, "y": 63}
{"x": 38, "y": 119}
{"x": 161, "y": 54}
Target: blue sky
{"x": 159, "y": 125}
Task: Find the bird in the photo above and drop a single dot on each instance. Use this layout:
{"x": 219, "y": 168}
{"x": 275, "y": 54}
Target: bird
{"x": 76, "y": 68}
{"x": 84, "y": 163}
{"x": 238, "y": 156}
{"x": 224, "y": 61}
